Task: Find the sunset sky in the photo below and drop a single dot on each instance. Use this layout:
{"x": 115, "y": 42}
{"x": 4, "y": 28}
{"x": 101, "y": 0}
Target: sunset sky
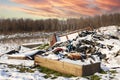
{"x": 37, "y": 9}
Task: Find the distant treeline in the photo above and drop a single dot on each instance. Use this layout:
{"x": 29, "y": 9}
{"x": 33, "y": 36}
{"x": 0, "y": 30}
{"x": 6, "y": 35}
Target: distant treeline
{"x": 29, "y": 25}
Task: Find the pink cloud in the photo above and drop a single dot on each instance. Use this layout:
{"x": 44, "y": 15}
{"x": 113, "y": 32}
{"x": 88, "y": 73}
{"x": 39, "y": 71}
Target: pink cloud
{"x": 108, "y": 5}
{"x": 68, "y": 8}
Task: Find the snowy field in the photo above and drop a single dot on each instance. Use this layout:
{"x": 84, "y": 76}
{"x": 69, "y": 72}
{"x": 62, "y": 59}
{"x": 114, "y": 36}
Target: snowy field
{"x": 111, "y": 68}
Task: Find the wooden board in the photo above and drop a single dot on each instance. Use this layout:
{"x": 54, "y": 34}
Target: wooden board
{"x": 32, "y": 45}
{"x": 17, "y": 57}
{"x": 67, "y": 68}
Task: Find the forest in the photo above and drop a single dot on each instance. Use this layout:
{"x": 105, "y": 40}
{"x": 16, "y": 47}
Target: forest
{"x": 50, "y": 25}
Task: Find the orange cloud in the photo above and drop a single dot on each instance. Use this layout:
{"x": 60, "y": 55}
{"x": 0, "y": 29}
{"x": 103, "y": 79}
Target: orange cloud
{"x": 67, "y": 8}
{"x": 41, "y": 7}
{"x": 109, "y": 2}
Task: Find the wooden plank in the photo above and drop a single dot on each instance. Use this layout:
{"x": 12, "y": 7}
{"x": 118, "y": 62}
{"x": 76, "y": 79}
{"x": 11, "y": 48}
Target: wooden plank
{"x": 67, "y": 68}
{"x": 32, "y": 45}
{"x": 52, "y": 64}
{"x": 91, "y": 69}
{"x": 18, "y": 57}
{"x": 73, "y": 69}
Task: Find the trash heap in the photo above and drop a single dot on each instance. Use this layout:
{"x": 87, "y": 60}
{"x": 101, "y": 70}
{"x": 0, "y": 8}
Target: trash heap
{"x": 88, "y": 46}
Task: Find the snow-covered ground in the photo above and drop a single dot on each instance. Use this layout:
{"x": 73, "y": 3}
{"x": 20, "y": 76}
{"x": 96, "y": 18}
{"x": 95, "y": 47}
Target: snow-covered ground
{"x": 24, "y": 35}
{"x": 111, "y": 67}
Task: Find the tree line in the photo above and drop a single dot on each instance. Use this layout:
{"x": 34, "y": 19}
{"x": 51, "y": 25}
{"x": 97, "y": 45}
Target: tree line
{"x": 49, "y": 25}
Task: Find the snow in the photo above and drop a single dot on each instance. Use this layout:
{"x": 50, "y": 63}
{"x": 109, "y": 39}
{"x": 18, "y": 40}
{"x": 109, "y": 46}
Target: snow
{"x": 104, "y": 67}
{"x": 110, "y": 30}
{"x": 21, "y": 35}
{"x": 17, "y": 62}
{"x": 36, "y": 43}
{"x": 112, "y": 42}
{"x": 113, "y": 63}
{"x": 78, "y": 62}
{"x": 13, "y": 74}
{"x": 52, "y": 56}
{"x": 67, "y": 37}
{"x": 7, "y": 47}
{"x": 63, "y": 38}
{"x": 114, "y": 60}
{"x": 72, "y": 36}
{"x": 27, "y": 53}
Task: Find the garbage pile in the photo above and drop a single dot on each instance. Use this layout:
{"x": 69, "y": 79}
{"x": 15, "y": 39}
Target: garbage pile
{"x": 88, "y": 45}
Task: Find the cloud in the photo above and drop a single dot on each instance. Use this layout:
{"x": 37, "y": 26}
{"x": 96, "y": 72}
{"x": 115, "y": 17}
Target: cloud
{"x": 68, "y": 8}
{"x": 108, "y": 5}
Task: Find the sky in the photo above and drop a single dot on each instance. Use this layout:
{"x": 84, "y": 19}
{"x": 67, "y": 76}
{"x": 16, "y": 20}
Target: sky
{"x": 37, "y": 9}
